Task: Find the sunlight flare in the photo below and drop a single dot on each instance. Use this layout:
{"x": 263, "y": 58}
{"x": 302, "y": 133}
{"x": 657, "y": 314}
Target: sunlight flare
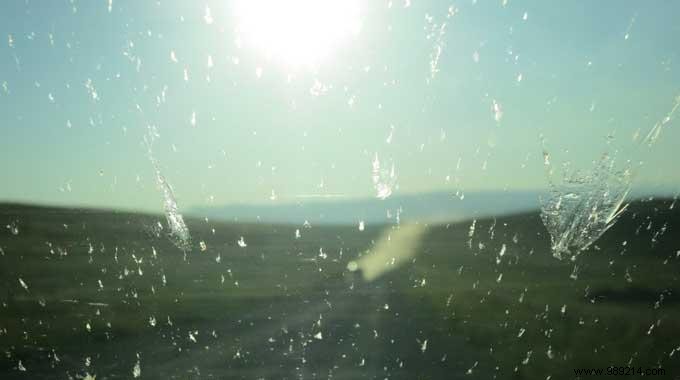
{"x": 297, "y": 32}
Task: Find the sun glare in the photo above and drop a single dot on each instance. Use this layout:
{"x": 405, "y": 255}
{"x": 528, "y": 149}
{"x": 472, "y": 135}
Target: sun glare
{"x": 297, "y": 32}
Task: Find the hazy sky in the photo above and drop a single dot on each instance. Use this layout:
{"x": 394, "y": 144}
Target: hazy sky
{"x": 239, "y": 118}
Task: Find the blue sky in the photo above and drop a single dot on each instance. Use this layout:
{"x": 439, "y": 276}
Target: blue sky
{"x": 305, "y": 131}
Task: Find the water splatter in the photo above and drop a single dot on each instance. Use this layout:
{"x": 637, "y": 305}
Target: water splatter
{"x": 242, "y": 242}
{"x": 13, "y": 228}
{"x": 23, "y": 284}
{"x": 137, "y": 369}
{"x": 630, "y": 26}
{"x": 208, "y": 16}
{"x": 423, "y": 345}
{"x": 582, "y": 206}
{"x": 497, "y": 111}
{"x": 436, "y": 32}
{"x": 501, "y": 253}
{"x": 91, "y": 90}
{"x": 655, "y": 131}
{"x": 388, "y": 140}
{"x": 383, "y": 180}
{"x": 179, "y": 233}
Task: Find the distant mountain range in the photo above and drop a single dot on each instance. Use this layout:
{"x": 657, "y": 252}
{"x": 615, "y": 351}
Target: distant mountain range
{"x": 428, "y": 207}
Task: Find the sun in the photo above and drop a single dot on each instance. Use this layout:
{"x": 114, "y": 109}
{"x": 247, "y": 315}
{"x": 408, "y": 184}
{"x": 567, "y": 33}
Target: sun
{"x": 296, "y": 32}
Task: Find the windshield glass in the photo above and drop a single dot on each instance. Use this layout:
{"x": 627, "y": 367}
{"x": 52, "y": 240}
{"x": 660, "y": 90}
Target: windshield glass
{"x": 339, "y": 189}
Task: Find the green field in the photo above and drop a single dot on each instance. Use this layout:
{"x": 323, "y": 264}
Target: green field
{"x": 106, "y": 292}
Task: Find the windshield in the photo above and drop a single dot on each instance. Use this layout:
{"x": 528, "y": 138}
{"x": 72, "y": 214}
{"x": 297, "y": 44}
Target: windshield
{"x": 339, "y": 189}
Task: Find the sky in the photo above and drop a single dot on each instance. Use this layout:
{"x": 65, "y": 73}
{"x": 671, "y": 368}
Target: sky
{"x": 293, "y": 101}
